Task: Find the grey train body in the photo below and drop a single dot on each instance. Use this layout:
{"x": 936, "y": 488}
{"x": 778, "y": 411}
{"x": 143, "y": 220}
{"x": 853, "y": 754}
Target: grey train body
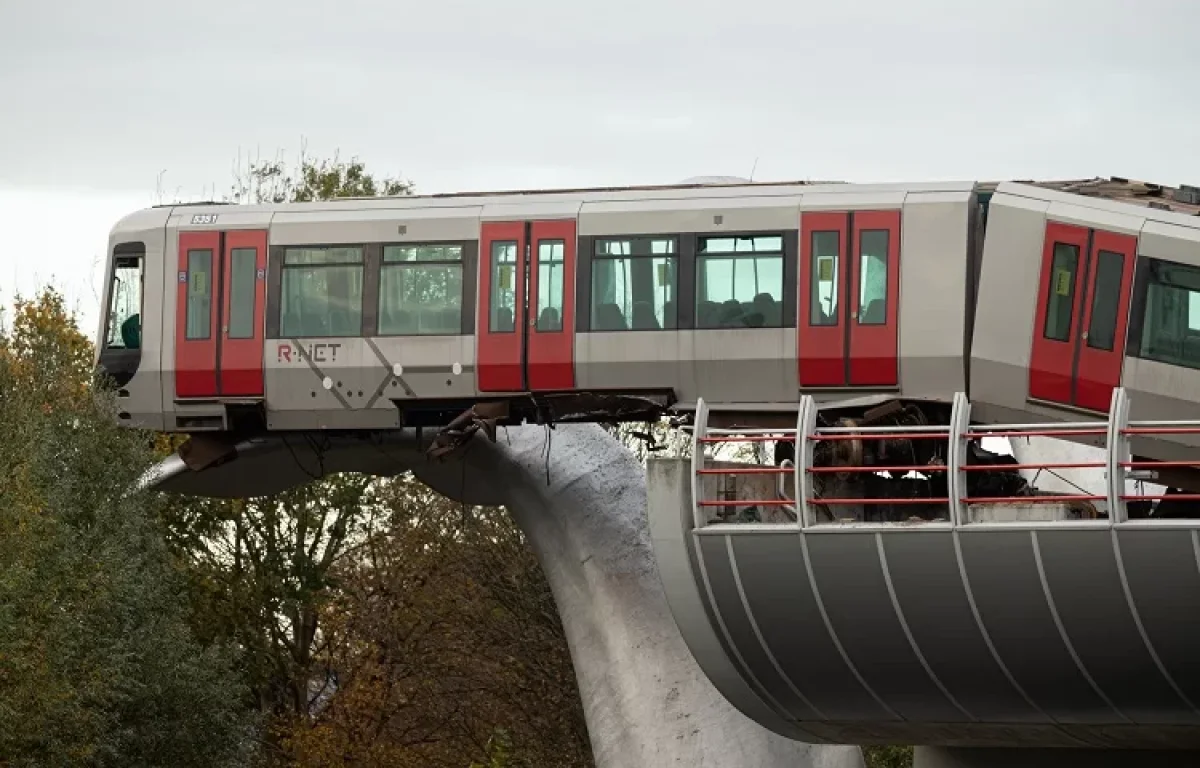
{"x": 969, "y": 259}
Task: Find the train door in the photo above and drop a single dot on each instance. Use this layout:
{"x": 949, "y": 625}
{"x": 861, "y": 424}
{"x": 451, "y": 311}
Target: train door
{"x": 220, "y": 304}
{"x": 849, "y": 299}
{"x": 1082, "y": 313}
{"x": 526, "y": 326}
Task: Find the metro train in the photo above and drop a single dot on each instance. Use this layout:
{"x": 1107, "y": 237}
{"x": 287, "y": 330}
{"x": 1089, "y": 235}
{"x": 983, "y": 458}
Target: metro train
{"x": 609, "y": 304}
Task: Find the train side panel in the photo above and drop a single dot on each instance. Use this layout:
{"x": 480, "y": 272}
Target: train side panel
{"x": 649, "y": 267}
{"x": 131, "y": 348}
{"x": 335, "y": 356}
{"x": 934, "y": 266}
{"x": 1006, "y": 307}
{"x": 1162, "y": 363}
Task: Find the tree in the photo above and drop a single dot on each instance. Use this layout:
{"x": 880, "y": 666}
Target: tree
{"x": 260, "y": 569}
{"x": 97, "y": 662}
{"x": 449, "y": 647}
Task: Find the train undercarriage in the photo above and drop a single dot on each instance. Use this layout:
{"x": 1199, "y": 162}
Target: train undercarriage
{"x": 896, "y": 467}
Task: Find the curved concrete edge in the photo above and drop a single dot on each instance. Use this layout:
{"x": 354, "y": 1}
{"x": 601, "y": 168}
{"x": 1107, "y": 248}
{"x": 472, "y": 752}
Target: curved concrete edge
{"x": 646, "y": 700}
{"x": 670, "y": 515}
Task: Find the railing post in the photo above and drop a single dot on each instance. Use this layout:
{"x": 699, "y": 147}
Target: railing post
{"x": 806, "y": 424}
{"x": 956, "y": 476}
{"x": 1117, "y": 451}
{"x": 699, "y": 430}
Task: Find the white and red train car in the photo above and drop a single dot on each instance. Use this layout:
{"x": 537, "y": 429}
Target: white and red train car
{"x": 371, "y": 314}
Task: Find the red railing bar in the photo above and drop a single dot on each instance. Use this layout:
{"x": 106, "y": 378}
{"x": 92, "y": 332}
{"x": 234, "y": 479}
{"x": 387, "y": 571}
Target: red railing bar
{"x": 839, "y": 501}
{"x": 1037, "y": 433}
{"x": 1161, "y": 431}
{"x": 1163, "y": 497}
{"x": 913, "y": 468}
{"x": 747, "y": 503}
{"x": 1151, "y": 464}
{"x": 883, "y": 436}
{"x": 740, "y": 439}
{"x": 1030, "y": 499}
{"x": 1064, "y": 465}
{"x": 747, "y": 471}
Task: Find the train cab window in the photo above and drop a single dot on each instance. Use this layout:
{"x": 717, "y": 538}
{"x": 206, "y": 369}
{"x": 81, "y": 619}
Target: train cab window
{"x": 125, "y": 304}
{"x": 322, "y": 291}
{"x": 634, "y": 284}
{"x": 503, "y": 301}
{"x": 550, "y": 285}
{"x": 823, "y": 282}
{"x": 420, "y": 290}
{"x": 1060, "y": 304}
{"x": 1106, "y": 301}
{"x": 872, "y": 277}
{"x": 199, "y": 293}
{"x": 1171, "y": 318}
{"x": 739, "y": 282}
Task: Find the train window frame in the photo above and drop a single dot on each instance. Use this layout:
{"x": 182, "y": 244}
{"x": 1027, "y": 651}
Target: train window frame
{"x": 558, "y": 301}
{"x": 457, "y": 265}
{"x": 288, "y": 267}
{"x": 124, "y": 256}
{"x": 494, "y": 284}
{"x": 1053, "y": 289}
{"x": 199, "y": 288}
{"x": 665, "y": 275}
{"x": 1113, "y": 319}
{"x": 705, "y": 257}
{"x": 817, "y": 318}
{"x": 242, "y": 314}
{"x": 1149, "y": 274}
{"x": 884, "y": 259}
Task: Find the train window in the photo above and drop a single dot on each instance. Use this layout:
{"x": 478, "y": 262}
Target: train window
{"x": 872, "y": 276}
{"x": 634, "y": 284}
{"x": 322, "y": 291}
{"x": 242, "y": 293}
{"x": 823, "y": 282}
{"x": 550, "y": 285}
{"x": 199, "y": 294}
{"x": 739, "y": 282}
{"x": 125, "y": 304}
{"x": 1106, "y": 299}
{"x": 1060, "y": 304}
{"x": 420, "y": 290}
{"x": 1171, "y": 320}
{"x": 503, "y": 301}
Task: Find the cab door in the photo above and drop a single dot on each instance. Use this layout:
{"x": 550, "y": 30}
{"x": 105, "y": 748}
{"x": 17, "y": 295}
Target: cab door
{"x": 1082, "y": 316}
{"x": 219, "y": 321}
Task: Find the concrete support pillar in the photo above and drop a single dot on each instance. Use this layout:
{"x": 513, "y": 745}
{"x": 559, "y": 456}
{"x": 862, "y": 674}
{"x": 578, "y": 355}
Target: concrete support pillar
{"x": 646, "y": 701}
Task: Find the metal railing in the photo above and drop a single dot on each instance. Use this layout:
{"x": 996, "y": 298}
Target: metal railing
{"x": 1117, "y": 465}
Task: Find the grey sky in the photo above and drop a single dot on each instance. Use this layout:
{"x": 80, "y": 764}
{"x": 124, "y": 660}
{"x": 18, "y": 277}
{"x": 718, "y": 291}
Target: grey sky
{"x": 99, "y": 98}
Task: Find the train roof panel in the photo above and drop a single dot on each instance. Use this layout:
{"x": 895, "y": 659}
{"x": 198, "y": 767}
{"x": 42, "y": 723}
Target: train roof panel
{"x": 1117, "y": 197}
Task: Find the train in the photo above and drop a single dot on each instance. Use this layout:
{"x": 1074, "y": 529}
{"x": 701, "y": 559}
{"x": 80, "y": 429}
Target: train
{"x": 463, "y": 311}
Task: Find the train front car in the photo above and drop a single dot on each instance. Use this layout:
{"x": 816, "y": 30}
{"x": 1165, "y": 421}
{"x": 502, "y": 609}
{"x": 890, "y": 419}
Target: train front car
{"x": 129, "y": 339}
{"x": 1080, "y": 295}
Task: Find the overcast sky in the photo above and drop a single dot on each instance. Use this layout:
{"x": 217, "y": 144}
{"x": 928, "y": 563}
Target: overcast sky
{"x": 106, "y": 105}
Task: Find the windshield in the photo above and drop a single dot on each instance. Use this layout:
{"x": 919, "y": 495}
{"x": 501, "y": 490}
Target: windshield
{"x": 125, "y": 304}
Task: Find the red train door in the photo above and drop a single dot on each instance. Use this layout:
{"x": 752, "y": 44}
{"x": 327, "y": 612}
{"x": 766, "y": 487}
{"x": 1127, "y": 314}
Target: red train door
{"x": 847, "y": 333}
{"x": 527, "y": 320}
{"x": 244, "y": 291}
{"x": 220, "y": 303}
{"x": 1082, "y": 315}
{"x": 551, "y": 350}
